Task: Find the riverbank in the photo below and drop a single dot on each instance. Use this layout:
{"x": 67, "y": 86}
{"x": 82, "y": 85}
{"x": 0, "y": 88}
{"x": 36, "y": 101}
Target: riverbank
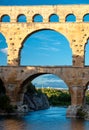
{"x": 57, "y": 97}
{"x": 34, "y": 99}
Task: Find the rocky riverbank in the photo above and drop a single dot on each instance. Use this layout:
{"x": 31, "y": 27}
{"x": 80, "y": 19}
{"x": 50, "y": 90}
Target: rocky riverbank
{"x": 81, "y": 112}
{"x": 32, "y": 101}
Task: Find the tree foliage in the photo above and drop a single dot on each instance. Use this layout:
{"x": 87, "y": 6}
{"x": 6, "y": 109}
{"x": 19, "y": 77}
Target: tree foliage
{"x": 57, "y": 97}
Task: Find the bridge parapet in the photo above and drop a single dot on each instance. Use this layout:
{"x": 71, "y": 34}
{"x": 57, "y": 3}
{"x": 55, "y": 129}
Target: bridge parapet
{"x": 45, "y": 11}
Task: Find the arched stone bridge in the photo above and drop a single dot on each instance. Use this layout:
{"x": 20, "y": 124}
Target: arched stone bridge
{"x": 15, "y": 32}
{"x": 15, "y": 76}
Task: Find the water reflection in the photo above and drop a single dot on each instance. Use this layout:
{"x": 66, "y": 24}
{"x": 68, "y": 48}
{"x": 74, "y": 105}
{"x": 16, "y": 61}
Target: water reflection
{"x": 12, "y": 124}
{"x": 77, "y": 124}
{"x": 50, "y": 119}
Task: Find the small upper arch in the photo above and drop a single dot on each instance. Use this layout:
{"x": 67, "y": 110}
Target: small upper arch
{"x": 21, "y": 18}
{"x": 53, "y": 18}
{"x": 70, "y": 18}
{"x": 86, "y": 17}
{"x": 5, "y": 18}
{"x": 37, "y": 18}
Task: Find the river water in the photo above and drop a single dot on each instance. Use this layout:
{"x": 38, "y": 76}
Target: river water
{"x": 53, "y": 118}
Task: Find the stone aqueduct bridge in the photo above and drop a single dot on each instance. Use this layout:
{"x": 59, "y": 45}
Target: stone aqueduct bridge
{"x": 15, "y": 76}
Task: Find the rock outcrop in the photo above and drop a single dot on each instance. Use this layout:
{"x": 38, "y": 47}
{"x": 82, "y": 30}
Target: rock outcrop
{"x": 35, "y": 100}
{"x": 78, "y": 111}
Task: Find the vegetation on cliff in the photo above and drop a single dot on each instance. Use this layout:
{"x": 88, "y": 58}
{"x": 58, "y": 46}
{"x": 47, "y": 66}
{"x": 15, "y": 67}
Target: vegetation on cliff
{"x": 59, "y": 97}
{"x": 56, "y": 97}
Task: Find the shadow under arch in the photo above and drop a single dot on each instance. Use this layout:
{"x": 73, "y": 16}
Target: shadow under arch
{"x": 70, "y": 18}
{"x": 21, "y": 18}
{"x": 87, "y": 85}
{"x": 37, "y": 18}
{"x": 3, "y": 50}
{"x": 2, "y": 87}
{"x": 53, "y": 18}
{"x": 30, "y": 78}
{"x": 86, "y": 17}
{"x": 5, "y": 18}
{"x": 40, "y": 30}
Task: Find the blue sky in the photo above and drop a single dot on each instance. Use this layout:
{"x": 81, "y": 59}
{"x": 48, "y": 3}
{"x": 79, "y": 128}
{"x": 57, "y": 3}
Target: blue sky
{"x": 44, "y": 47}
{"x": 49, "y": 80}
{"x": 42, "y": 2}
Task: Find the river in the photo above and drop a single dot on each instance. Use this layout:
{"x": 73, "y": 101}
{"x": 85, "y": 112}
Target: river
{"x": 53, "y": 118}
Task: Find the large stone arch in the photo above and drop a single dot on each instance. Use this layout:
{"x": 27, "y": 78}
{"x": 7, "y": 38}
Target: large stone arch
{"x": 26, "y": 80}
{"x": 42, "y": 29}
{"x": 15, "y": 38}
{"x": 29, "y": 78}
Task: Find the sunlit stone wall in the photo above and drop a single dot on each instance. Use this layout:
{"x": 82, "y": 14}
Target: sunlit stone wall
{"x": 16, "y": 32}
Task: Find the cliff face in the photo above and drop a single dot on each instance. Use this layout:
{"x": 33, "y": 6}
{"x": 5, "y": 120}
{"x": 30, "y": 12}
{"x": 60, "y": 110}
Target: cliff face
{"x": 35, "y": 100}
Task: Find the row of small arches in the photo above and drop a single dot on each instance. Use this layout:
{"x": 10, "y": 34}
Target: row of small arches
{"x": 39, "y": 18}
